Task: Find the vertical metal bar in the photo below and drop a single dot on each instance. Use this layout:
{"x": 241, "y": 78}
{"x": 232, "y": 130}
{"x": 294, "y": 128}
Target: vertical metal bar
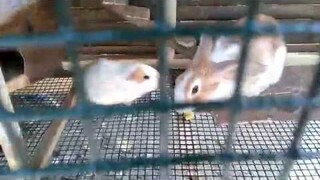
{"x": 65, "y": 24}
{"x": 167, "y": 16}
{"x": 235, "y": 108}
{"x": 301, "y": 126}
{"x": 64, "y": 19}
{"x": 11, "y": 138}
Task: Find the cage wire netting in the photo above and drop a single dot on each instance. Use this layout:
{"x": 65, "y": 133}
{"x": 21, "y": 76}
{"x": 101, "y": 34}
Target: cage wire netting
{"x": 131, "y": 142}
{"x": 138, "y": 135}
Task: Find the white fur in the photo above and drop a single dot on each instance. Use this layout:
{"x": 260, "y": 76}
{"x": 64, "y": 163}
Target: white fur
{"x": 224, "y": 91}
{"x": 106, "y": 82}
{"x": 221, "y": 53}
{"x": 179, "y": 92}
{"x": 253, "y": 86}
{"x": 278, "y": 66}
{"x": 180, "y": 88}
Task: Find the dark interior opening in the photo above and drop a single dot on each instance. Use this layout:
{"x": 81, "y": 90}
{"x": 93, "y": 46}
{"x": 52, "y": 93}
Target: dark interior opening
{"x": 12, "y": 64}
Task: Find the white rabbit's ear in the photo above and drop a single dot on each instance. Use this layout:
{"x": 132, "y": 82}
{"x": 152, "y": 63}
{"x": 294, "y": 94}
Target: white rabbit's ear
{"x": 205, "y": 48}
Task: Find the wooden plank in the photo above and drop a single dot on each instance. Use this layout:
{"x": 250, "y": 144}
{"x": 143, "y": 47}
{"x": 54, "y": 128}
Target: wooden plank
{"x": 97, "y": 15}
{"x": 92, "y": 24}
{"x": 290, "y": 11}
{"x": 75, "y": 3}
{"x": 312, "y": 47}
{"x": 242, "y": 2}
{"x": 151, "y": 49}
{"x": 118, "y": 50}
{"x": 116, "y": 2}
{"x": 100, "y": 3}
{"x": 193, "y": 23}
{"x": 51, "y": 136}
{"x": 18, "y": 82}
{"x": 118, "y": 56}
{"x": 173, "y": 63}
{"x": 293, "y": 59}
{"x": 290, "y": 39}
{"x": 91, "y": 3}
{"x": 148, "y": 3}
{"x": 125, "y": 43}
{"x": 186, "y": 51}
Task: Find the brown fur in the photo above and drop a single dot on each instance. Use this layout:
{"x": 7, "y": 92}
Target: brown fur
{"x": 259, "y": 18}
{"x": 40, "y": 62}
{"x": 214, "y": 73}
{"x": 40, "y": 15}
{"x": 276, "y": 41}
{"x": 137, "y": 75}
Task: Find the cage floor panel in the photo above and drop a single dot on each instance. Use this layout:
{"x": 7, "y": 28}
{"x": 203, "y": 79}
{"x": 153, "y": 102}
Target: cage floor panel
{"x": 138, "y": 135}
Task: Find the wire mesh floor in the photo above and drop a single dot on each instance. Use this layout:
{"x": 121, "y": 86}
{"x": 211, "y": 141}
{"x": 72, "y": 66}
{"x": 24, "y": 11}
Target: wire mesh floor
{"x": 138, "y": 135}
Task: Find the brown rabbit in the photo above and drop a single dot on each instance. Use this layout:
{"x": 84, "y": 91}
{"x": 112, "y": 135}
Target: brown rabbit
{"x": 211, "y": 75}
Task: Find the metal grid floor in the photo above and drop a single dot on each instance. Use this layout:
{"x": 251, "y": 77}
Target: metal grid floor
{"x": 138, "y": 135}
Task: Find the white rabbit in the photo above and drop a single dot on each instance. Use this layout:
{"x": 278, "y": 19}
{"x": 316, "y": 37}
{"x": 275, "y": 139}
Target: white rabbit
{"x": 109, "y": 82}
{"x": 211, "y": 75}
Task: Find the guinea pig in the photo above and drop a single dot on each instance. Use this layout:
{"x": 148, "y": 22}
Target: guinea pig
{"x": 109, "y": 82}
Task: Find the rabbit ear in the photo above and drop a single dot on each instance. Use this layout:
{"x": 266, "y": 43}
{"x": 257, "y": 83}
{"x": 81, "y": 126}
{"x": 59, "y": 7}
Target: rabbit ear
{"x": 204, "y": 49}
{"x": 230, "y": 72}
{"x": 137, "y": 75}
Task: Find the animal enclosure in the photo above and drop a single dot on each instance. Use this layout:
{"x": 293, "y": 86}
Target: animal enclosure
{"x": 148, "y": 139}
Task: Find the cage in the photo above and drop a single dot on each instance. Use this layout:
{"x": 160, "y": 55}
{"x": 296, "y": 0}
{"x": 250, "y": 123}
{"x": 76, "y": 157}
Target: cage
{"x": 150, "y": 140}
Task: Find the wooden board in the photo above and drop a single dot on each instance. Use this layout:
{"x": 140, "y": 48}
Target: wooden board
{"x": 148, "y": 3}
{"x": 96, "y": 3}
{"x": 288, "y": 11}
{"x": 150, "y": 49}
{"x": 102, "y": 14}
{"x": 293, "y": 59}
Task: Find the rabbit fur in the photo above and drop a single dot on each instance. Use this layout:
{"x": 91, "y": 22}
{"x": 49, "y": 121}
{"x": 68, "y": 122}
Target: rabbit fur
{"x": 212, "y": 72}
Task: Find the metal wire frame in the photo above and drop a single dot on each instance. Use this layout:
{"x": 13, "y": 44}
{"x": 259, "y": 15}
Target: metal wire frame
{"x": 66, "y": 35}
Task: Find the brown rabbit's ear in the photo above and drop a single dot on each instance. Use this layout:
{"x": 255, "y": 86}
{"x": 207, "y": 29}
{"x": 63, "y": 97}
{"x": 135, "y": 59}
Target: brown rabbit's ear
{"x": 230, "y": 72}
{"x": 205, "y": 48}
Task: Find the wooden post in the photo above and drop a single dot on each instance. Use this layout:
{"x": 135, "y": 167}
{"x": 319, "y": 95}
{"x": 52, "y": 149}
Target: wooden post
{"x": 170, "y": 16}
{"x": 50, "y": 138}
{"x": 11, "y": 139}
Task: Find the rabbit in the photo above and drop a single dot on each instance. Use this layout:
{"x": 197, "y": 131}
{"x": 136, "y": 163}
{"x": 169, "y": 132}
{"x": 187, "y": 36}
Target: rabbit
{"x": 211, "y": 74}
{"x": 109, "y": 82}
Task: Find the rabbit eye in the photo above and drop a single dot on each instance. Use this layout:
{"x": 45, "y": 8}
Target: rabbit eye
{"x": 195, "y": 89}
{"x": 146, "y": 77}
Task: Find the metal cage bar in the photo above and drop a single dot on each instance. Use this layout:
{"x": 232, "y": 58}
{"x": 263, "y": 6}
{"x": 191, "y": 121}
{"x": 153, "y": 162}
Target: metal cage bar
{"x": 72, "y": 38}
{"x": 236, "y": 107}
{"x": 169, "y": 19}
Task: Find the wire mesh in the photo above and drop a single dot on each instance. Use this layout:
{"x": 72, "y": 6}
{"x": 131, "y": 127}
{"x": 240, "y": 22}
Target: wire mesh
{"x": 186, "y": 132}
{"x": 136, "y": 135}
